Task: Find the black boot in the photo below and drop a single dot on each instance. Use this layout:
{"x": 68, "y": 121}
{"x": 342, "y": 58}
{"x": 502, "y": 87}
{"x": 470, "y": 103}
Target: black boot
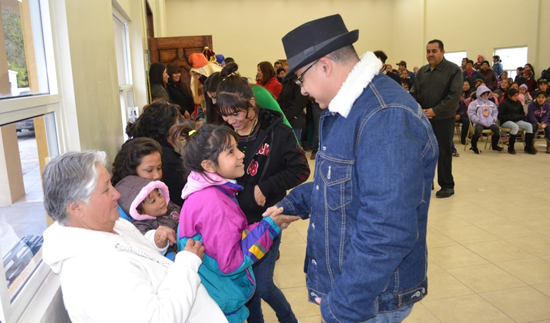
{"x": 511, "y": 143}
{"x": 530, "y": 144}
{"x": 495, "y": 143}
{"x": 474, "y": 144}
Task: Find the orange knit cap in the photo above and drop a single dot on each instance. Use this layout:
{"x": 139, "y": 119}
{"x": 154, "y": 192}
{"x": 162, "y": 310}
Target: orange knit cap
{"x": 197, "y": 60}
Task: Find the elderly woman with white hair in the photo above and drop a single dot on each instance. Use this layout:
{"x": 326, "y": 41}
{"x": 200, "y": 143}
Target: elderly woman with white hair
{"x": 109, "y": 271}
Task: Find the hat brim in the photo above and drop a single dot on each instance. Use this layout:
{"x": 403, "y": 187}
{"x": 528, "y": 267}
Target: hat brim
{"x": 318, "y": 51}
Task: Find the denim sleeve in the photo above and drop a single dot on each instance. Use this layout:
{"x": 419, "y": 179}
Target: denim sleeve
{"x": 298, "y": 201}
{"x": 392, "y": 172}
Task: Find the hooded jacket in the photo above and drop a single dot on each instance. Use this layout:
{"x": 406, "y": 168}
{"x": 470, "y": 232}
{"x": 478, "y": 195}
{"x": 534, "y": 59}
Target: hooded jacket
{"x": 483, "y": 111}
{"x": 123, "y": 277}
{"x": 211, "y": 214}
{"x": 133, "y": 190}
{"x": 274, "y": 161}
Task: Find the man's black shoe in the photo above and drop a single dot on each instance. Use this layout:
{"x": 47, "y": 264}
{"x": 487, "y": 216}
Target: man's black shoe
{"x": 445, "y": 192}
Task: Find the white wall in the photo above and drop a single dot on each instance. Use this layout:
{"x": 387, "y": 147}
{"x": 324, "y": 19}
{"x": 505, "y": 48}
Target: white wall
{"x": 251, "y": 30}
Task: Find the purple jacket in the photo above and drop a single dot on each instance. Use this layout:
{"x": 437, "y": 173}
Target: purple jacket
{"x": 483, "y": 111}
{"x": 536, "y": 113}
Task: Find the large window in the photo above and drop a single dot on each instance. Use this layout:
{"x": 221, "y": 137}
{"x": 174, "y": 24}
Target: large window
{"x": 29, "y": 107}
{"x": 124, "y": 68}
{"x": 23, "y": 68}
{"x": 455, "y": 57}
{"x": 512, "y": 58}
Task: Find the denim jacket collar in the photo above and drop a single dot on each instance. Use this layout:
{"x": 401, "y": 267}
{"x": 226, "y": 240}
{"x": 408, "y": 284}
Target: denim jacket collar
{"x": 361, "y": 75}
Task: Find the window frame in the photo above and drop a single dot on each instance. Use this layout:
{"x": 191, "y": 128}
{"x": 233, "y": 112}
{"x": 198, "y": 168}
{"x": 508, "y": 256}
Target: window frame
{"x": 13, "y": 109}
{"x": 511, "y": 71}
{"x": 456, "y": 52}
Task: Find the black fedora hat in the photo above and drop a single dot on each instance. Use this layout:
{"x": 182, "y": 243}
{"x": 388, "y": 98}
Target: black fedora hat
{"x": 316, "y": 39}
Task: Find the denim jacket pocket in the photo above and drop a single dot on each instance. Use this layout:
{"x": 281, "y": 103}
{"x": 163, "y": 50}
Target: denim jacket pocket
{"x": 336, "y": 175}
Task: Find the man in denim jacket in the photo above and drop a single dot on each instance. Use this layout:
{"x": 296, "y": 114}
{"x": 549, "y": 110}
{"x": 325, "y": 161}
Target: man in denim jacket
{"x": 366, "y": 254}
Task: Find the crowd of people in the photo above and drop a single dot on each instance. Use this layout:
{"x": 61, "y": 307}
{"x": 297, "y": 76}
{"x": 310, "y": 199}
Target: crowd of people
{"x": 188, "y": 227}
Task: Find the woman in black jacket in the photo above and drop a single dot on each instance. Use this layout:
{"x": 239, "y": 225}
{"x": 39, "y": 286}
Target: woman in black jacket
{"x": 511, "y": 115}
{"x": 179, "y": 92}
{"x": 274, "y": 163}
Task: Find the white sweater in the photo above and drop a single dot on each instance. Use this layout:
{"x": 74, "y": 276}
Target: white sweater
{"x": 124, "y": 278}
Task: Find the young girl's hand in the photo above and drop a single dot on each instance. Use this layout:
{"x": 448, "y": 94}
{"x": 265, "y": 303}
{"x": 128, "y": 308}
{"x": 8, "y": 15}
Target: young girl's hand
{"x": 195, "y": 247}
{"x": 259, "y": 196}
{"x": 282, "y": 220}
{"x": 164, "y": 235}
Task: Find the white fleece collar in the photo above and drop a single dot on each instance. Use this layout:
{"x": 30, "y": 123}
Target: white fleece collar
{"x": 361, "y": 75}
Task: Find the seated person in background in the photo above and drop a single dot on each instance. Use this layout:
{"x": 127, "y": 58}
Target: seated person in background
{"x": 483, "y": 114}
{"x": 529, "y": 81}
{"x": 109, "y": 271}
{"x": 524, "y": 96}
{"x": 511, "y": 115}
{"x": 542, "y": 85}
{"x": 501, "y": 91}
{"x": 406, "y": 84}
{"x": 503, "y": 76}
{"x": 467, "y": 91}
{"x": 148, "y": 203}
{"x": 519, "y": 76}
{"x": 462, "y": 117}
{"x": 538, "y": 114}
{"x": 514, "y": 85}
{"x": 470, "y": 75}
{"x": 489, "y": 76}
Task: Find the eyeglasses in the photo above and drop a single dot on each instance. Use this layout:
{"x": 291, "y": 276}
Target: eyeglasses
{"x": 299, "y": 78}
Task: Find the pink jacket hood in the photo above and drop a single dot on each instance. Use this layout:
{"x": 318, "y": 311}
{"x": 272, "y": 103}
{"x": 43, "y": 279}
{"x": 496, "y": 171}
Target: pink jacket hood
{"x": 197, "y": 181}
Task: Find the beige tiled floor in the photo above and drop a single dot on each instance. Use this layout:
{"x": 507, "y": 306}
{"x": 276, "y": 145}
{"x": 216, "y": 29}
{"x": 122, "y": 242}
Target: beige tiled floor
{"x": 489, "y": 245}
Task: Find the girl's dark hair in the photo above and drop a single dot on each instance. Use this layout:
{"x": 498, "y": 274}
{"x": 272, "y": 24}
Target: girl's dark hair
{"x": 155, "y": 73}
{"x": 211, "y": 85}
{"x": 532, "y": 69}
{"x": 267, "y": 71}
{"x": 179, "y": 133}
{"x": 155, "y": 121}
{"x": 511, "y": 92}
{"x": 206, "y": 144}
{"x": 130, "y": 155}
{"x": 234, "y": 92}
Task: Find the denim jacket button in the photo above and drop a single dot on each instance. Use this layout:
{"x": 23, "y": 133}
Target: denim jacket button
{"x": 324, "y": 148}
{"x": 314, "y": 262}
{"x": 313, "y": 225}
{"x": 317, "y": 187}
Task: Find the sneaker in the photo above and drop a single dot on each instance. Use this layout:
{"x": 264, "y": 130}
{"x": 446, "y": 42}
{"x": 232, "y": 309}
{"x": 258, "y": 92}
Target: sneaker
{"x": 504, "y": 139}
{"x": 456, "y": 154}
{"x": 475, "y": 150}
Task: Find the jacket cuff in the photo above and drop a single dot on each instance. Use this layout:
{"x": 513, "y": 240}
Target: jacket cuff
{"x": 189, "y": 259}
{"x": 274, "y": 229}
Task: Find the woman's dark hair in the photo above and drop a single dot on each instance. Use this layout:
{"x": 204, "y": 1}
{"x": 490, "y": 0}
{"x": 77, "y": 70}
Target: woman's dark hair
{"x": 234, "y": 92}
{"x": 211, "y": 85}
{"x": 486, "y": 62}
{"x": 130, "y": 155}
{"x": 155, "y": 121}
{"x": 511, "y": 92}
{"x": 155, "y": 73}
{"x": 206, "y": 144}
{"x": 532, "y": 69}
{"x": 268, "y": 71}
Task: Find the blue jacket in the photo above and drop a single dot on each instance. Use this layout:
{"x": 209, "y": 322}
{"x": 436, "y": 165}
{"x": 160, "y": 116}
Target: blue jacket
{"x": 368, "y": 203}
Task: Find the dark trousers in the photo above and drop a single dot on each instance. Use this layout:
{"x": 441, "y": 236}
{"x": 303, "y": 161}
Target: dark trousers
{"x": 479, "y": 128}
{"x": 444, "y": 131}
{"x": 465, "y": 127}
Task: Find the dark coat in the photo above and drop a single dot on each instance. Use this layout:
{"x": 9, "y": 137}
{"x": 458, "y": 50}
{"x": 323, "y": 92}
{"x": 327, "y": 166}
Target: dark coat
{"x": 173, "y": 173}
{"x": 181, "y": 98}
{"x": 274, "y": 161}
{"x": 510, "y": 110}
{"x": 292, "y": 102}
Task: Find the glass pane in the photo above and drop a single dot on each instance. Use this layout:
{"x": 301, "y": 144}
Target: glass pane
{"x": 22, "y": 214}
{"x": 121, "y": 52}
{"x": 512, "y": 58}
{"x": 455, "y": 57}
{"x": 24, "y": 70}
